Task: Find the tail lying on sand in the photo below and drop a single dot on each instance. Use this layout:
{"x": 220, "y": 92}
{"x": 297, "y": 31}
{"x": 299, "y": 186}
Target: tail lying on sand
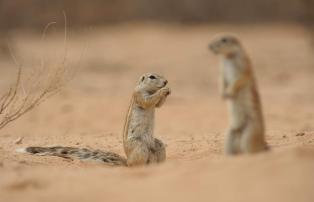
{"x": 77, "y": 153}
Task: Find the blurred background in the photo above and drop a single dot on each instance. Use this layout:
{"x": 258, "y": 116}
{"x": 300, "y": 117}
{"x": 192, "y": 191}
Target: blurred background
{"x": 36, "y": 13}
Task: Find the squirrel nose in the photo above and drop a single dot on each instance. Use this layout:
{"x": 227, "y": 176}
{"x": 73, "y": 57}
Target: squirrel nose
{"x": 165, "y": 82}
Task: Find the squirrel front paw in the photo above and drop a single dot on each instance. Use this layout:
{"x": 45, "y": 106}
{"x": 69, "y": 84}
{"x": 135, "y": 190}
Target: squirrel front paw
{"x": 165, "y": 91}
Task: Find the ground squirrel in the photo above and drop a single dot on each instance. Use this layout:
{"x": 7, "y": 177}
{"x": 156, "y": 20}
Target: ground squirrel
{"x": 140, "y": 146}
{"x": 238, "y": 86}
{"x": 139, "y": 143}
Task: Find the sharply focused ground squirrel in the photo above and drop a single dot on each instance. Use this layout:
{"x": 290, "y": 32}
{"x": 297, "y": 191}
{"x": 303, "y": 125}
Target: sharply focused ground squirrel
{"x": 246, "y": 130}
{"x": 140, "y": 146}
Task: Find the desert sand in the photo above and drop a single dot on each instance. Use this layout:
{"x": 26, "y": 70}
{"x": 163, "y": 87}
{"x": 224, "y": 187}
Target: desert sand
{"x": 90, "y": 110}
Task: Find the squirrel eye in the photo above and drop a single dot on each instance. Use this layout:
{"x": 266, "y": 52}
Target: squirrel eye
{"x": 152, "y": 77}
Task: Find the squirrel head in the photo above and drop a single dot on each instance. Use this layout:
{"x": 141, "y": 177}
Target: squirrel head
{"x": 151, "y": 82}
{"x": 226, "y": 45}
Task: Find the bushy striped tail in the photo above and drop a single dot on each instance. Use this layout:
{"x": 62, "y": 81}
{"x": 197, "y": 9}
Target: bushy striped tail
{"x": 109, "y": 158}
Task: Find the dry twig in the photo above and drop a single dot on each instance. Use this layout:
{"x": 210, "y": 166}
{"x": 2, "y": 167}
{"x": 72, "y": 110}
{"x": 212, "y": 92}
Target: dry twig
{"x": 42, "y": 84}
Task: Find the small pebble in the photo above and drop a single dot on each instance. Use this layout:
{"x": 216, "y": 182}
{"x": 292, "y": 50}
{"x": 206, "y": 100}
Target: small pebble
{"x": 300, "y": 134}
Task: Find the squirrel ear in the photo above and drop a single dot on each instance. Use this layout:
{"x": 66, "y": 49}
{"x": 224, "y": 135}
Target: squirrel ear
{"x": 142, "y": 79}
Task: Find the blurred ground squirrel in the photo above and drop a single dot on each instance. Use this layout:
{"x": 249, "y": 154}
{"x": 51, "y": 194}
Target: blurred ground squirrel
{"x": 140, "y": 146}
{"x": 238, "y": 87}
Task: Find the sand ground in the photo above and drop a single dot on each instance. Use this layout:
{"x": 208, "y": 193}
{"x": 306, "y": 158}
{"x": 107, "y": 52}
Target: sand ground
{"x": 90, "y": 112}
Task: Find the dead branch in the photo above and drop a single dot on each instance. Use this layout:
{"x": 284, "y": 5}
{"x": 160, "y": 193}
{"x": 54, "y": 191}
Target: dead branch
{"x": 41, "y": 85}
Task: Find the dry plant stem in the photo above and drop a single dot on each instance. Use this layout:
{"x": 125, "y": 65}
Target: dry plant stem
{"x": 17, "y": 101}
{"x": 8, "y": 98}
